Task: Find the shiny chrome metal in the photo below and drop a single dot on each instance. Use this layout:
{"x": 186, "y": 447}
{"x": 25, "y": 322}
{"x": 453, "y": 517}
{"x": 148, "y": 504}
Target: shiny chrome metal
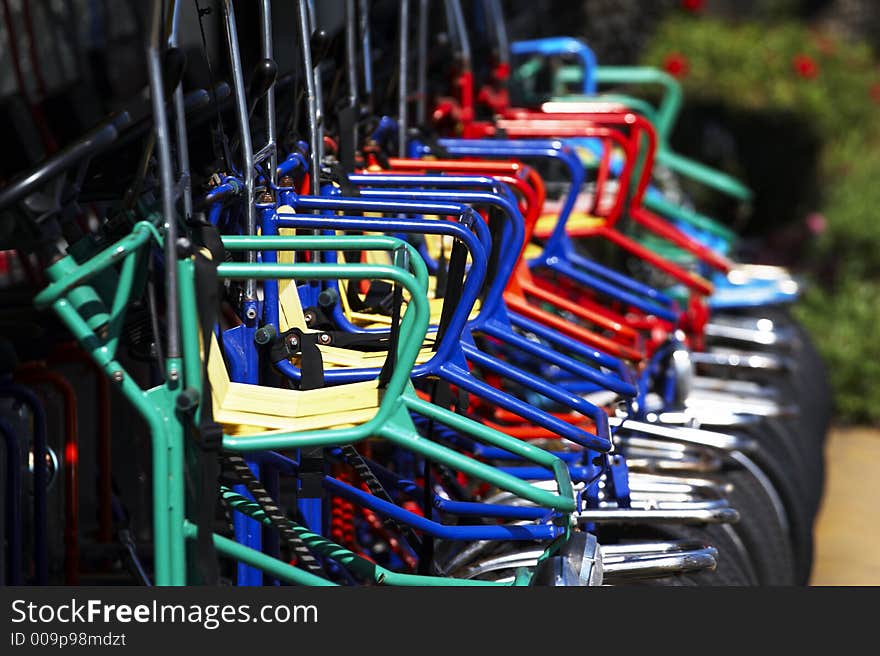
{"x": 351, "y": 53}
{"x": 745, "y": 388}
{"x": 719, "y": 329}
{"x": 184, "y": 180}
{"x": 723, "y": 418}
{"x": 717, "y": 512}
{"x": 629, "y": 567}
{"x": 683, "y": 370}
{"x": 244, "y": 130}
{"x": 270, "y": 150}
{"x": 364, "y": 30}
{"x": 319, "y": 89}
{"x": 305, "y": 36}
{"x": 510, "y": 560}
{"x": 649, "y": 456}
{"x": 690, "y": 487}
{"x": 720, "y": 358}
{"x": 682, "y": 434}
{"x": 703, "y": 403}
{"x": 166, "y": 180}
{"x": 422, "y": 65}
{"x": 403, "y": 78}
{"x": 576, "y": 563}
{"x": 641, "y": 560}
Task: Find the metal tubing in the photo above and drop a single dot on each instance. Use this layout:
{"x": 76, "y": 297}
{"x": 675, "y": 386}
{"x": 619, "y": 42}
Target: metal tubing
{"x": 247, "y": 148}
{"x": 160, "y": 119}
{"x": 422, "y": 65}
{"x": 435, "y": 529}
{"x": 258, "y": 560}
{"x": 403, "y": 32}
{"x": 271, "y": 128}
{"x": 311, "y": 98}
{"x": 357, "y": 564}
{"x": 180, "y": 122}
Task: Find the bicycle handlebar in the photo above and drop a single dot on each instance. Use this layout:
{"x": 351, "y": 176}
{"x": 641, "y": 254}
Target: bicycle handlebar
{"x": 86, "y": 147}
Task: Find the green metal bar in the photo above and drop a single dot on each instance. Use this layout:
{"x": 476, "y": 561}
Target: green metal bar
{"x": 671, "y": 210}
{"x": 392, "y": 419}
{"x": 399, "y": 432}
{"x": 140, "y": 235}
{"x": 412, "y": 334}
{"x": 706, "y": 175}
{"x": 142, "y": 403}
{"x": 670, "y": 104}
{"x": 355, "y": 563}
{"x": 189, "y": 316}
{"x": 330, "y": 243}
{"x": 259, "y": 560}
{"x": 663, "y": 118}
{"x": 121, "y": 300}
{"x": 166, "y": 437}
{"x": 163, "y": 397}
{"x": 564, "y": 501}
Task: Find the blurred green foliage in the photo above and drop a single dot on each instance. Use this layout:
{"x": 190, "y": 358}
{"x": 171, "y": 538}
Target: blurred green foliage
{"x": 835, "y": 87}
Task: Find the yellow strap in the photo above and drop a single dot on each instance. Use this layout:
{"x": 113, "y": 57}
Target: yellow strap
{"x": 272, "y": 407}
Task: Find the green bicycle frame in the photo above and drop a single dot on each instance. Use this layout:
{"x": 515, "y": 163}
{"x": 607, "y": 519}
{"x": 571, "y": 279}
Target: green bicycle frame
{"x": 167, "y": 425}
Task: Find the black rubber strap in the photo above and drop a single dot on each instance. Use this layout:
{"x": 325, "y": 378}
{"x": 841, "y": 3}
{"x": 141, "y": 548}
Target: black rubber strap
{"x": 237, "y": 467}
{"x": 306, "y": 345}
{"x": 347, "y": 118}
{"x": 208, "y": 433}
{"x": 394, "y": 337}
{"x": 454, "y": 282}
{"x": 356, "y": 461}
{"x": 496, "y": 226}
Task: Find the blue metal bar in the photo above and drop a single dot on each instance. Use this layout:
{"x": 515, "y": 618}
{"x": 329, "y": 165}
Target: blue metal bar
{"x": 435, "y": 529}
{"x": 490, "y": 319}
{"x": 534, "y": 473}
{"x": 502, "y": 332}
{"x": 243, "y": 368}
{"x": 270, "y": 287}
{"x": 470, "y": 289}
{"x": 576, "y": 347}
{"x": 591, "y": 281}
{"x": 463, "y": 379}
{"x": 624, "y": 281}
{"x": 562, "y": 45}
{"x": 451, "y": 507}
{"x": 542, "y": 387}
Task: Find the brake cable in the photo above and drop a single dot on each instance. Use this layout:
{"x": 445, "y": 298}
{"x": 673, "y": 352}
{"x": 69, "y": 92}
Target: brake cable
{"x": 240, "y": 470}
{"x": 223, "y": 155}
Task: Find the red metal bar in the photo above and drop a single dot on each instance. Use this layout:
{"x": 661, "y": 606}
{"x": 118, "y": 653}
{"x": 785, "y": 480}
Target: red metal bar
{"x": 71, "y": 352}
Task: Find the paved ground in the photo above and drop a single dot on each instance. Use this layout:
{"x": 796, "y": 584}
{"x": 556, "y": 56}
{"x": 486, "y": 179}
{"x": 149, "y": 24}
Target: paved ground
{"x": 848, "y": 526}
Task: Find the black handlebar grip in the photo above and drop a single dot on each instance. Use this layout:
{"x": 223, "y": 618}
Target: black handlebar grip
{"x": 319, "y": 44}
{"x": 262, "y": 80}
{"x": 173, "y": 67}
{"x": 93, "y": 142}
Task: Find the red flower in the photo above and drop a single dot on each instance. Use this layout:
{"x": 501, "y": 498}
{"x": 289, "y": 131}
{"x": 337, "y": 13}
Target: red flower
{"x": 693, "y": 6}
{"x": 875, "y": 92}
{"x": 676, "y": 64}
{"x": 816, "y": 223}
{"x": 805, "y": 66}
